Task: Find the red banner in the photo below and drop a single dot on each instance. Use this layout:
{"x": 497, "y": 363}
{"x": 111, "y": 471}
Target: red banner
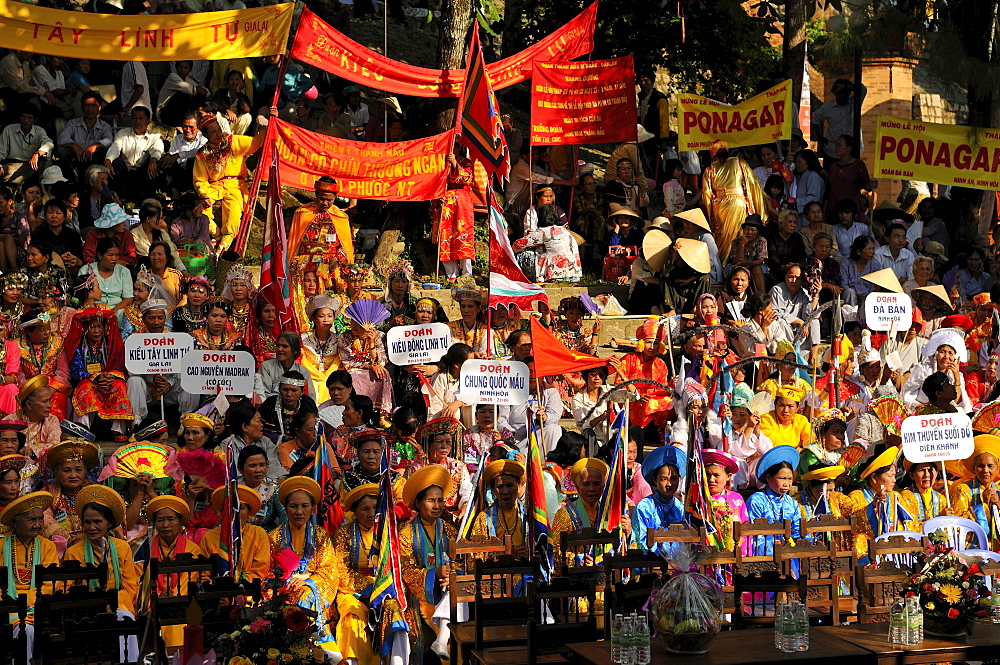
{"x": 318, "y": 44}
{"x": 400, "y": 171}
{"x": 583, "y": 102}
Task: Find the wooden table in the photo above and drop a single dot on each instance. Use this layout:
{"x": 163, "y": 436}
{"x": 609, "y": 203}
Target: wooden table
{"x": 739, "y": 647}
{"x": 873, "y": 637}
{"x": 859, "y": 644}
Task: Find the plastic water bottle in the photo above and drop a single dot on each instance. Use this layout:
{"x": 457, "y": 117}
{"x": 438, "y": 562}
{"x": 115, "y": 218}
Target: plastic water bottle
{"x": 642, "y": 653}
{"x": 914, "y": 621}
{"x": 628, "y": 642}
{"x": 995, "y": 604}
{"x": 778, "y": 609}
{"x": 788, "y": 629}
{"x": 617, "y": 627}
{"x": 897, "y": 621}
{"x": 801, "y": 627}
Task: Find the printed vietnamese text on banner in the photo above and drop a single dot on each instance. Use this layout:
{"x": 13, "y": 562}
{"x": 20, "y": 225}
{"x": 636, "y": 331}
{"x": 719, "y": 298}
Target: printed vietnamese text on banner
{"x": 400, "y": 171}
{"x": 321, "y": 45}
{"x": 943, "y": 154}
{"x": 575, "y": 103}
{"x": 243, "y": 33}
{"x": 765, "y": 118}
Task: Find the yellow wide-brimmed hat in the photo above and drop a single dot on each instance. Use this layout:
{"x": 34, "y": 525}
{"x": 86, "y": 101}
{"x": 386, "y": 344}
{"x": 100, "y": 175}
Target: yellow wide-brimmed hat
{"x": 197, "y": 420}
{"x": 885, "y": 279}
{"x": 985, "y": 443}
{"x": 72, "y": 450}
{"x": 887, "y": 457}
{"x": 296, "y": 483}
{"x": 104, "y": 496}
{"x": 825, "y": 473}
{"x": 23, "y": 504}
{"x": 428, "y": 476}
{"x": 246, "y": 494}
{"x": 503, "y": 467}
{"x": 174, "y": 503}
{"x": 368, "y": 489}
{"x": 580, "y": 467}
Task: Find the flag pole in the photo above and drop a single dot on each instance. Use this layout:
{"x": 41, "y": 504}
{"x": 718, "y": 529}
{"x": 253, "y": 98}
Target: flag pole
{"x": 541, "y": 423}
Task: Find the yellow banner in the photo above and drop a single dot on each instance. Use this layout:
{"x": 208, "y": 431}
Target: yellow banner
{"x": 765, "y": 118}
{"x": 943, "y": 154}
{"x": 203, "y": 36}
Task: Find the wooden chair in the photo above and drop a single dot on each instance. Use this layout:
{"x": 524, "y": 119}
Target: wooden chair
{"x": 877, "y": 587}
{"x": 759, "y": 574}
{"x": 55, "y": 612}
{"x": 99, "y": 639}
{"x": 839, "y": 532}
{"x": 713, "y": 561}
{"x": 675, "y": 533}
{"x": 181, "y": 576}
{"x": 629, "y": 579}
{"x": 500, "y": 616}
{"x": 590, "y": 543}
{"x": 818, "y": 569}
{"x": 13, "y": 650}
{"x": 216, "y": 599}
{"x": 898, "y": 547}
{"x": 63, "y": 576}
{"x": 462, "y": 588}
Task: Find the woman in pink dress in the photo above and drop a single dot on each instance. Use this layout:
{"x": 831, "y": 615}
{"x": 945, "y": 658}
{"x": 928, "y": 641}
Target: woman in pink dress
{"x": 10, "y": 360}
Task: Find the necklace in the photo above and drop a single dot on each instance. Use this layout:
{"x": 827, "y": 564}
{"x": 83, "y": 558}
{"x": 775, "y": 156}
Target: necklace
{"x": 503, "y": 520}
{"x": 29, "y": 556}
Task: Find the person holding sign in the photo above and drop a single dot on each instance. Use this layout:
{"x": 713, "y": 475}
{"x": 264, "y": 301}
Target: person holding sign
{"x": 877, "y": 507}
{"x": 439, "y": 438}
{"x": 921, "y": 500}
{"x": 944, "y": 352}
{"x": 97, "y": 370}
{"x": 979, "y": 498}
{"x": 216, "y": 335}
{"x": 397, "y": 298}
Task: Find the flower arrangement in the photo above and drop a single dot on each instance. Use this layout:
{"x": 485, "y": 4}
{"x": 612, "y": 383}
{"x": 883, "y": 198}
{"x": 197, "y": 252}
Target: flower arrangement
{"x": 952, "y": 592}
{"x": 688, "y": 609}
{"x": 276, "y": 633}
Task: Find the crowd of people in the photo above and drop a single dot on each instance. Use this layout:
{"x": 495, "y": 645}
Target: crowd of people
{"x": 793, "y": 407}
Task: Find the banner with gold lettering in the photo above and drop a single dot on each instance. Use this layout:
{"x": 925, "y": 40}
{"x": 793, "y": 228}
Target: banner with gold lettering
{"x": 400, "y": 171}
{"x": 240, "y": 33}
{"x": 943, "y": 154}
{"x": 765, "y": 118}
{"x": 583, "y": 102}
{"x": 321, "y": 45}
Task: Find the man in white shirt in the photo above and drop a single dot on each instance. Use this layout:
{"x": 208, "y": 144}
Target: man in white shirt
{"x": 133, "y": 158}
{"x": 839, "y": 117}
{"x": 180, "y": 93}
{"x": 16, "y": 87}
{"x": 357, "y": 110}
{"x": 24, "y": 147}
{"x": 134, "y": 90}
{"x": 85, "y": 141}
{"x": 178, "y": 163}
{"x": 895, "y": 255}
{"x": 50, "y": 78}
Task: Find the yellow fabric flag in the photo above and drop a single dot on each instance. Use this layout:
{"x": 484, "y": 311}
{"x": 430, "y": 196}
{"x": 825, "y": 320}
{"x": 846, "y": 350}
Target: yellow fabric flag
{"x": 765, "y": 118}
{"x": 224, "y": 35}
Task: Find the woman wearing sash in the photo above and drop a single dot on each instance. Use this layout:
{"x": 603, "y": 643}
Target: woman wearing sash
{"x": 69, "y": 461}
{"x": 353, "y": 544}
{"x": 921, "y": 500}
{"x": 663, "y": 469}
{"x": 423, "y": 556}
{"x": 102, "y": 510}
{"x": 254, "y": 562}
{"x": 305, "y": 556}
{"x": 502, "y": 517}
{"x": 819, "y": 496}
{"x": 979, "y": 498}
{"x": 776, "y": 469}
{"x": 878, "y": 508}
{"x": 167, "y": 515}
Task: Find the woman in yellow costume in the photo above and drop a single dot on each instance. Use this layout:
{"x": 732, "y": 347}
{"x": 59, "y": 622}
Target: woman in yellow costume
{"x": 353, "y": 543}
{"x": 254, "y": 562}
{"x": 423, "y": 556}
{"x": 24, "y": 549}
{"x": 470, "y": 328}
{"x": 167, "y": 515}
{"x": 787, "y": 377}
{"x": 920, "y": 499}
{"x": 69, "y": 461}
{"x": 305, "y": 555}
{"x": 102, "y": 510}
{"x": 502, "y": 517}
{"x": 240, "y": 291}
{"x": 819, "y": 495}
{"x": 220, "y": 174}
{"x": 320, "y": 348}
{"x": 979, "y": 497}
{"x": 730, "y": 193}
{"x": 878, "y": 509}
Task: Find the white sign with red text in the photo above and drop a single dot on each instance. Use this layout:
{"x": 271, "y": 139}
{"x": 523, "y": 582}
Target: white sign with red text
{"x": 503, "y": 382}
{"x": 418, "y": 344}
{"x": 156, "y": 353}
{"x": 936, "y": 438}
{"x": 227, "y": 372}
{"x": 882, "y": 309}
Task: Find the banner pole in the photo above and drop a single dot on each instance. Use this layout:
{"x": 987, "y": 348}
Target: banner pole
{"x": 944, "y": 479}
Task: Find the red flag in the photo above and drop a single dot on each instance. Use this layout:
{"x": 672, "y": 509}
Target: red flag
{"x": 274, "y": 268}
{"x": 329, "y": 514}
{"x": 478, "y": 119}
{"x": 552, "y": 357}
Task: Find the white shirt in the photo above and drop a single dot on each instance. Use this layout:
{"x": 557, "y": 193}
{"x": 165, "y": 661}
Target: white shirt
{"x": 175, "y": 84}
{"x": 20, "y": 147}
{"x": 134, "y": 74}
{"x": 16, "y": 75}
{"x": 901, "y": 265}
{"x": 185, "y": 149}
{"x": 840, "y": 120}
{"x": 44, "y": 79}
{"x": 137, "y": 150}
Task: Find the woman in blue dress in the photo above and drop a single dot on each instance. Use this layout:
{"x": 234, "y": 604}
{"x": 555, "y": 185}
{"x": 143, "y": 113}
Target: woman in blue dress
{"x": 776, "y": 468}
{"x": 663, "y": 469}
